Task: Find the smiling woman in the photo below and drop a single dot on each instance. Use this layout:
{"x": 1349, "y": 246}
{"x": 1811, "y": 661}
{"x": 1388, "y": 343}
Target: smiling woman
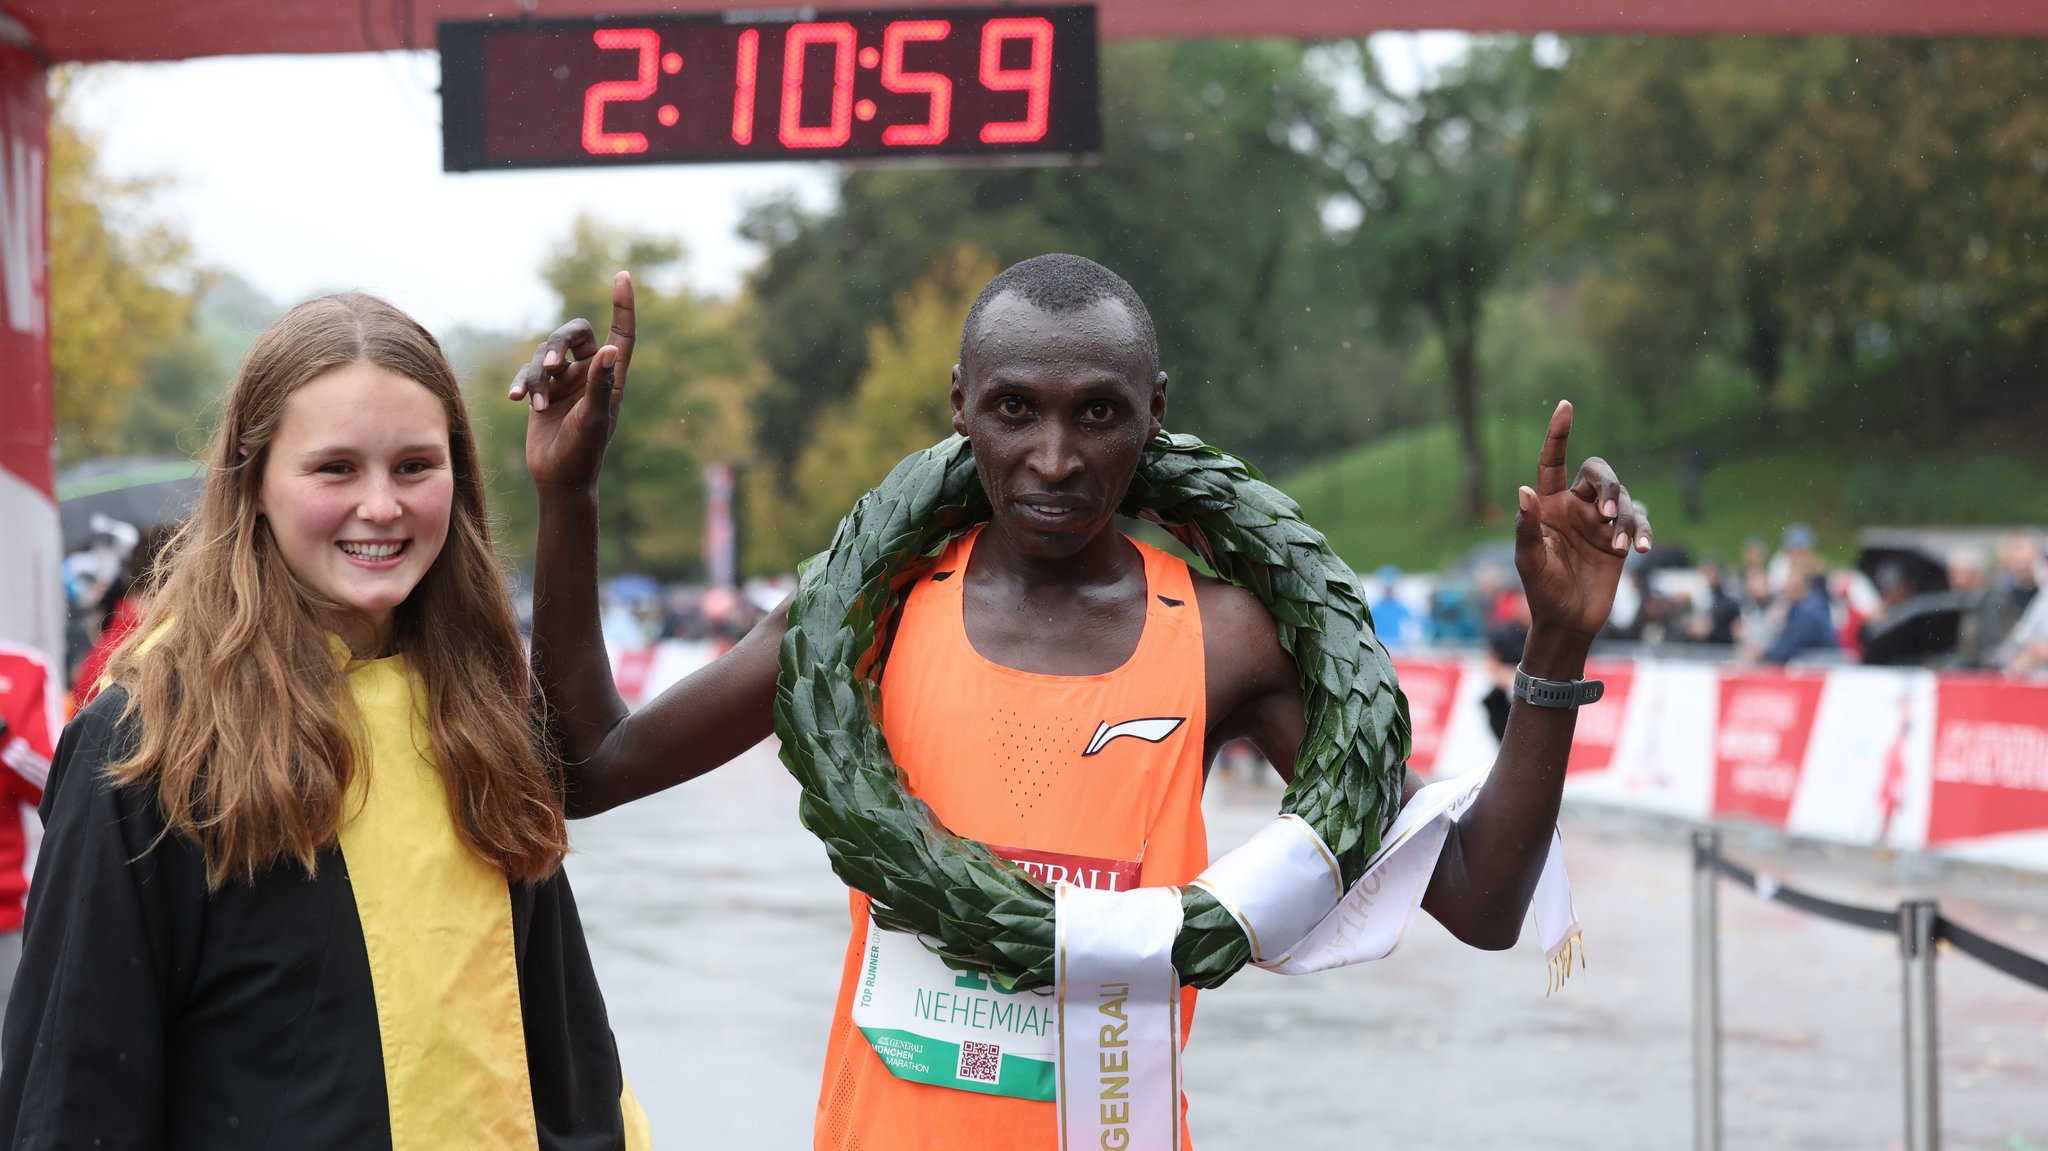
{"x": 358, "y": 491}
{"x": 301, "y": 876}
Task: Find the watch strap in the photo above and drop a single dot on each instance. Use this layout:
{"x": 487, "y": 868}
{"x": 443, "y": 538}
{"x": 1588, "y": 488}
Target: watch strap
{"x": 1564, "y": 694}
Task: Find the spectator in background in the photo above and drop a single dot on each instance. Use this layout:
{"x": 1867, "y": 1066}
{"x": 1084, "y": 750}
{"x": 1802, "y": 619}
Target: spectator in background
{"x": 1625, "y": 622}
{"x": 1400, "y": 627}
{"x": 1966, "y": 582}
{"x": 29, "y": 721}
{"x": 1675, "y": 613}
{"x": 1454, "y": 615}
{"x": 1796, "y": 546}
{"x": 1716, "y": 620}
{"x": 129, "y": 609}
{"x": 1809, "y": 622}
{"x": 2025, "y": 650}
{"x": 1754, "y": 580}
{"x": 2013, "y": 590}
{"x": 1504, "y": 646}
{"x": 1856, "y": 602}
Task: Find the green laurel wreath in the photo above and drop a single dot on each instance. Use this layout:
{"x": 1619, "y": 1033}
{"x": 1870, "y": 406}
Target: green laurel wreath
{"x": 975, "y": 910}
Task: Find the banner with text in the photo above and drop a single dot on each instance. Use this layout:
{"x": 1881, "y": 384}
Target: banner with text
{"x": 1907, "y": 760}
{"x": 1903, "y": 759}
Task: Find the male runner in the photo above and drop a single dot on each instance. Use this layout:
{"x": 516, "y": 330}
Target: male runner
{"x": 1019, "y": 656}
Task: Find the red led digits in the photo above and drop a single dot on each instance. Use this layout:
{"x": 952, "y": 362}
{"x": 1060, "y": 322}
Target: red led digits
{"x": 939, "y": 122}
{"x": 596, "y": 140}
{"x": 743, "y": 88}
{"x": 801, "y": 37}
{"x": 1035, "y": 79}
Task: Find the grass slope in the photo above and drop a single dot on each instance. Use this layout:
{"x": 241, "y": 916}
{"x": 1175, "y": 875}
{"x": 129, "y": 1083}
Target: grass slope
{"x": 1394, "y": 500}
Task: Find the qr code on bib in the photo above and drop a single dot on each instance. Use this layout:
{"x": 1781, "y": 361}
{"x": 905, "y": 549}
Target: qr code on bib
{"x": 981, "y": 1062}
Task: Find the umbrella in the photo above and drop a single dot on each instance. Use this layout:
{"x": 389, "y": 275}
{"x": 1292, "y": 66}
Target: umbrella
{"x": 138, "y": 492}
{"x": 1914, "y": 631}
{"x": 1928, "y": 572}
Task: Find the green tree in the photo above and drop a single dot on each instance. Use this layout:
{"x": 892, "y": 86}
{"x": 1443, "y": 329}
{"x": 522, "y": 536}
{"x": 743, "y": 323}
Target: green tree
{"x": 122, "y": 281}
{"x": 899, "y": 405}
{"x": 1854, "y": 222}
{"x": 1439, "y": 178}
{"x": 1202, "y": 198}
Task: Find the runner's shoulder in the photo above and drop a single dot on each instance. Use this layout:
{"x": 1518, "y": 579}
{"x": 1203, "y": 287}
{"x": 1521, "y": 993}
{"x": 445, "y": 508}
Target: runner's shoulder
{"x": 1237, "y": 625}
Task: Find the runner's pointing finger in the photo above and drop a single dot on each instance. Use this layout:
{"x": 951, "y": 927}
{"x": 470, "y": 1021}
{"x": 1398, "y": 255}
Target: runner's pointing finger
{"x": 1550, "y": 463}
{"x": 621, "y": 336}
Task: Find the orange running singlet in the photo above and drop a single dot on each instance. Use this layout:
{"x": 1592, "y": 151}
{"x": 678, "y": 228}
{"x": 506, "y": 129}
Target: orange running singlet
{"x": 1027, "y": 761}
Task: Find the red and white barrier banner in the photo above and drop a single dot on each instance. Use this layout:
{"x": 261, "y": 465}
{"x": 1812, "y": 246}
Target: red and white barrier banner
{"x": 1432, "y": 691}
{"x": 1760, "y": 743}
{"x": 31, "y": 593}
{"x": 641, "y": 673}
{"x": 1598, "y": 732}
{"x": 1990, "y": 768}
{"x": 1953, "y": 764}
{"x": 1909, "y": 760}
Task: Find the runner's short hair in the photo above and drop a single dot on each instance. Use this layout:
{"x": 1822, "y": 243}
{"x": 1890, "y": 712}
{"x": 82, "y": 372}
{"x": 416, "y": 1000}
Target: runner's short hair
{"x": 1060, "y": 282}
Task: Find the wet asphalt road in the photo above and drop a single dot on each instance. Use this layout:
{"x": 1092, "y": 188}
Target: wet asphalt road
{"x": 718, "y": 932}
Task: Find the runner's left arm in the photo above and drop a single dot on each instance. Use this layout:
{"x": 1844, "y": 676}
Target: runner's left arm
{"x": 1570, "y": 541}
{"x": 1572, "y": 534}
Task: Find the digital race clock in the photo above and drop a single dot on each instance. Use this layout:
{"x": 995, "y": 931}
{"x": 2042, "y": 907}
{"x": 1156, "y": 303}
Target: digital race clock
{"x": 988, "y": 82}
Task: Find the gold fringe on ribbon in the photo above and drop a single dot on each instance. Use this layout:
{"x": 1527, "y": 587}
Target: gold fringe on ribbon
{"x": 1573, "y": 946}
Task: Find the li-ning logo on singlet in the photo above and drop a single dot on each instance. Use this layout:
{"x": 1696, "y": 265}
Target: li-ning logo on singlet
{"x": 1149, "y": 730}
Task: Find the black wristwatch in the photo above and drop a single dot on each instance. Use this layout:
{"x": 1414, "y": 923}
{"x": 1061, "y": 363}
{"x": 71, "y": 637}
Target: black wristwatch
{"x": 1565, "y": 694}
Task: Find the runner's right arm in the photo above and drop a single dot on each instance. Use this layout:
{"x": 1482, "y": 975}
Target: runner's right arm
{"x": 612, "y": 755}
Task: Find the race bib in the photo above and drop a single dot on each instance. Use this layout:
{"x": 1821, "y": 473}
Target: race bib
{"x": 932, "y": 1024}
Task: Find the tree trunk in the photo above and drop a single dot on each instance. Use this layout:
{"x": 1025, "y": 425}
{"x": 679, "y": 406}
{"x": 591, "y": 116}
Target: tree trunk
{"x": 1764, "y": 352}
{"x": 1461, "y": 349}
{"x": 1932, "y": 388}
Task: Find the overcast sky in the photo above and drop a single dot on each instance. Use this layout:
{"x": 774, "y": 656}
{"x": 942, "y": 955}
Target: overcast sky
{"x": 307, "y": 173}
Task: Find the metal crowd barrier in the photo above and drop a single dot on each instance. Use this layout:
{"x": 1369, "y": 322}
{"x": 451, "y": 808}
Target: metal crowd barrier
{"x": 1918, "y": 925}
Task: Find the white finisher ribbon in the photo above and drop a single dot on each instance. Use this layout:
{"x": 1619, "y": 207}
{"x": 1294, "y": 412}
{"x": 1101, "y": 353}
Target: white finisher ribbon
{"x": 1278, "y": 886}
{"x": 1117, "y": 994}
{"x": 1374, "y": 916}
{"x": 1118, "y": 1000}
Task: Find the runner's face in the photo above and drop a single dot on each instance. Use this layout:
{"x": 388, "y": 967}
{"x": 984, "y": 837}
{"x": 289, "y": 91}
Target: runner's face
{"x": 357, "y": 488}
{"x": 1059, "y": 408}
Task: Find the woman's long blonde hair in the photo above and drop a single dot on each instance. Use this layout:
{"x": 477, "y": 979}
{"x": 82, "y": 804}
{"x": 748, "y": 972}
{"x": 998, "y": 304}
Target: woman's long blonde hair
{"x": 248, "y": 731}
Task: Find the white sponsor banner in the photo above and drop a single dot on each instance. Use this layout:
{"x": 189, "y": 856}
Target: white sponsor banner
{"x": 1663, "y": 748}
{"x": 1872, "y": 726}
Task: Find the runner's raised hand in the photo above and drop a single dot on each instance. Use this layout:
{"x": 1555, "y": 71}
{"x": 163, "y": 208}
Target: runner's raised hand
{"x": 1571, "y": 538}
{"x": 573, "y": 387}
